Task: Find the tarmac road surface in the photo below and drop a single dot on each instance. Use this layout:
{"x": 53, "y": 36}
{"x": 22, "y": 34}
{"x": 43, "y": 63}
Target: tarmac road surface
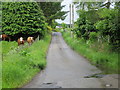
{"x": 67, "y": 69}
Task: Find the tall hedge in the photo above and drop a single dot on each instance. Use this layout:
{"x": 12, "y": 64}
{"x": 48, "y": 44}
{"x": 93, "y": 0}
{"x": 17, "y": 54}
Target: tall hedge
{"x": 22, "y": 18}
{"x": 104, "y": 21}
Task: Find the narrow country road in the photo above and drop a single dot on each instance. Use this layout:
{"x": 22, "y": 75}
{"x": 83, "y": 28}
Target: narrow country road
{"x": 65, "y": 69}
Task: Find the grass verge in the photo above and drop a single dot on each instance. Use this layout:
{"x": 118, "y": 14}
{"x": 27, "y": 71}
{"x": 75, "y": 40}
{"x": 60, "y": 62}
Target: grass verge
{"x": 20, "y": 67}
{"x": 7, "y": 46}
{"x": 103, "y": 59}
{"x": 0, "y": 65}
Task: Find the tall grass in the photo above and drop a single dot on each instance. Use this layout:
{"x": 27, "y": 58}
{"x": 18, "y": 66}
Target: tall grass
{"x": 20, "y": 67}
{"x": 7, "y": 46}
{"x": 101, "y": 57}
{"x": 0, "y": 65}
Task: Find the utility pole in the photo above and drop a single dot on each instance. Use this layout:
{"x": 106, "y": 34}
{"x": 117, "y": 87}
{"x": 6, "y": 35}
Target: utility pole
{"x": 71, "y": 17}
{"x": 70, "y": 14}
{"x": 71, "y": 6}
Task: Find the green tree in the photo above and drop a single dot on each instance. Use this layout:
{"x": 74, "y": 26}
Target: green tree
{"x": 52, "y": 11}
{"x": 22, "y": 18}
{"x": 109, "y": 26}
{"x": 86, "y": 18}
{"x": 63, "y": 25}
{"x": 101, "y": 18}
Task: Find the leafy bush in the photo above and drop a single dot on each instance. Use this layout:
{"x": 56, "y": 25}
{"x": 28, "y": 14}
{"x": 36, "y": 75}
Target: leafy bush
{"x": 93, "y": 36}
{"x": 49, "y": 28}
{"x": 22, "y": 18}
{"x": 109, "y": 25}
{"x": 105, "y": 21}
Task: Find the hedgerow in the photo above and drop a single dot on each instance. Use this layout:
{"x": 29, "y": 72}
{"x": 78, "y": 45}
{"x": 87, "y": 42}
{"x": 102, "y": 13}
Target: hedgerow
{"x": 22, "y": 18}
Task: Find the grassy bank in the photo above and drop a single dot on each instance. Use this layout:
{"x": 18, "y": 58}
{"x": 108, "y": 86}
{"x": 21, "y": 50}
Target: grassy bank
{"x": 20, "y": 67}
{"x": 0, "y": 65}
{"x": 101, "y": 57}
{"x": 8, "y": 46}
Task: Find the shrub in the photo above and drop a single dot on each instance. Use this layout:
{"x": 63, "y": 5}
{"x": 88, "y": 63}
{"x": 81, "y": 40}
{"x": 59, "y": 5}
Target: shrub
{"x": 22, "y": 18}
{"x": 93, "y": 36}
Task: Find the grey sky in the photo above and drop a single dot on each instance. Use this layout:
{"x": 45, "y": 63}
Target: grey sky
{"x": 66, "y": 8}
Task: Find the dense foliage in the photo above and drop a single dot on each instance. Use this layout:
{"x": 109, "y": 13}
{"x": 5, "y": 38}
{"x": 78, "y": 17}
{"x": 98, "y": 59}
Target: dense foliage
{"x": 52, "y": 11}
{"x": 22, "y": 18}
{"x": 99, "y": 18}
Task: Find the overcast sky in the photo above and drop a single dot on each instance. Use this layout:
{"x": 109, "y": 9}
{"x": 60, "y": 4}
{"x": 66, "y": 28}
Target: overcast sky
{"x": 66, "y": 8}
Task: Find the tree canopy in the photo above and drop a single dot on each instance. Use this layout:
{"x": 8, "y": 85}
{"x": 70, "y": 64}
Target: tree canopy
{"x": 52, "y": 11}
{"x": 23, "y": 18}
{"x": 99, "y": 17}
